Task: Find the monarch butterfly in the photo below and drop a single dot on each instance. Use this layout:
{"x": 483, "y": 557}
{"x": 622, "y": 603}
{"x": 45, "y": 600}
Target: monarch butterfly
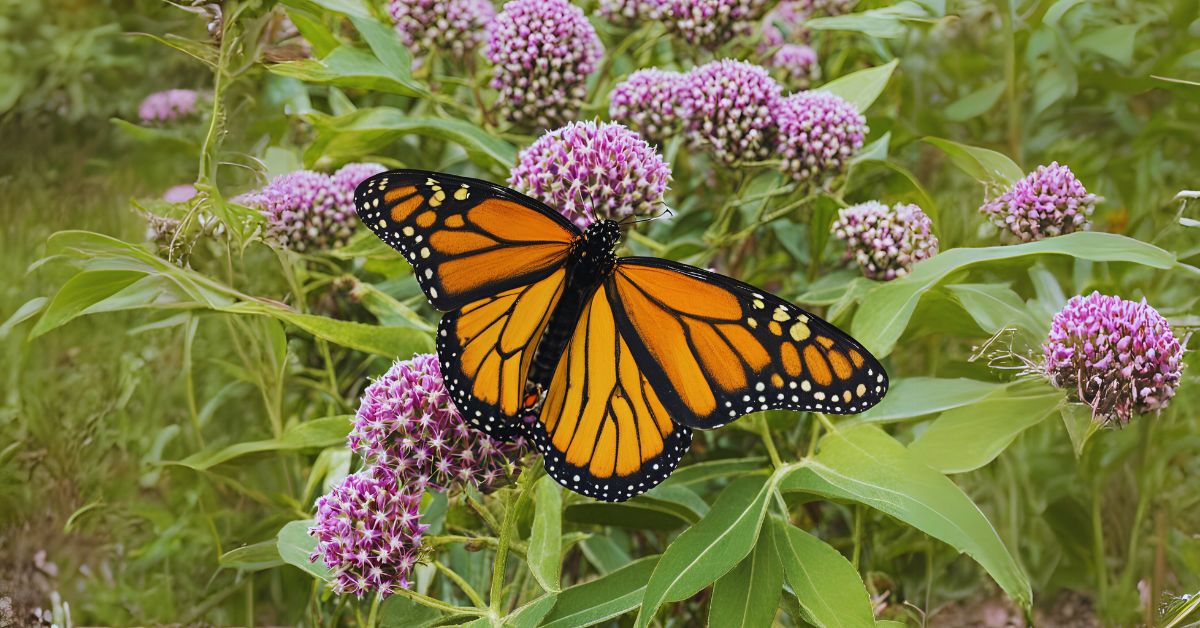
{"x": 617, "y": 359}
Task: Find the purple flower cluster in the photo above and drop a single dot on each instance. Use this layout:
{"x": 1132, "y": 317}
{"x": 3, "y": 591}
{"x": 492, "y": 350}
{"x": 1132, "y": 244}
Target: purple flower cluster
{"x": 408, "y": 424}
{"x": 818, "y": 134}
{"x": 171, "y": 105}
{"x": 710, "y": 23}
{"x": 785, "y": 25}
{"x": 1120, "y": 357}
{"x": 886, "y": 241}
{"x": 647, "y": 101}
{"x": 454, "y": 26}
{"x": 798, "y": 64}
{"x": 630, "y": 12}
{"x": 542, "y": 52}
{"x": 1048, "y": 202}
{"x": 306, "y": 210}
{"x": 592, "y": 172}
{"x": 728, "y": 108}
{"x": 368, "y": 532}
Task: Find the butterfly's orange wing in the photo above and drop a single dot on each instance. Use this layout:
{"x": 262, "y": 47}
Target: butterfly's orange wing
{"x": 494, "y": 261}
{"x": 466, "y": 239}
{"x": 714, "y": 348}
{"x": 603, "y": 430}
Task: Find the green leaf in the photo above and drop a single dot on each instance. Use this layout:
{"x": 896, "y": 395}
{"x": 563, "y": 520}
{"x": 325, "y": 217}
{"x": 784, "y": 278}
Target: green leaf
{"x": 749, "y": 595}
{"x": 985, "y": 165}
{"x": 350, "y": 8}
{"x": 828, "y": 587}
{"x": 155, "y": 135}
{"x": 1080, "y": 423}
{"x": 545, "y": 540}
{"x": 256, "y": 557}
{"x": 995, "y": 306}
{"x": 863, "y": 464}
{"x": 79, "y": 293}
{"x": 350, "y": 67}
{"x": 27, "y": 311}
{"x": 701, "y": 472}
{"x": 400, "y": 612}
{"x": 913, "y": 397}
{"x": 313, "y": 434}
{"x": 861, "y": 88}
{"x": 709, "y": 549}
{"x": 295, "y": 545}
{"x": 387, "y": 48}
{"x": 886, "y": 310}
{"x": 389, "y": 342}
{"x": 605, "y": 554}
{"x": 531, "y": 614}
{"x": 370, "y": 130}
{"x": 975, "y": 103}
{"x": 643, "y": 511}
{"x": 884, "y": 23}
{"x": 602, "y": 599}
{"x": 969, "y": 437}
{"x": 1114, "y": 42}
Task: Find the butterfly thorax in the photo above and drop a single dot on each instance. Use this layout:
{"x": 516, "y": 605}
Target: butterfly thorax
{"x": 591, "y": 261}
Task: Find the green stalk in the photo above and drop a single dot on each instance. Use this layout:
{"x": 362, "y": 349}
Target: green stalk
{"x": 507, "y": 530}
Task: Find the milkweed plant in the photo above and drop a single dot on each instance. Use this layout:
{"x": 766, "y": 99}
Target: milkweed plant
{"x": 224, "y": 404}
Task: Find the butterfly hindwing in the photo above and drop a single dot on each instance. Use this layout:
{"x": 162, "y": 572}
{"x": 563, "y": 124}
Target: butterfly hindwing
{"x": 602, "y": 429}
{"x": 715, "y": 348}
{"x": 465, "y": 238}
{"x": 486, "y": 347}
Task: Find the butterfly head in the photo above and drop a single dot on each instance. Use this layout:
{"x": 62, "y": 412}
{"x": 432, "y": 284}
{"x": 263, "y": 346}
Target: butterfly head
{"x": 602, "y": 235}
{"x": 593, "y": 253}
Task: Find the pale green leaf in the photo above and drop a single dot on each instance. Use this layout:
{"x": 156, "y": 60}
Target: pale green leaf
{"x": 545, "y": 541}
{"x": 861, "y": 88}
{"x": 295, "y": 545}
{"x": 829, "y": 589}
{"x": 748, "y": 596}
{"x": 602, "y": 599}
{"x": 985, "y": 165}
{"x": 912, "y": 397}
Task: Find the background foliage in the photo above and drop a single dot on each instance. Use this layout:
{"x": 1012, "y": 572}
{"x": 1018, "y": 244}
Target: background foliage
{"x": 158, "y": 459}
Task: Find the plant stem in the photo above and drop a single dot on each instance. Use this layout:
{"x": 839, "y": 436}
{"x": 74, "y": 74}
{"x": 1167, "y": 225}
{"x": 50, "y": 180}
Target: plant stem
{"x": 372, "y": 617}
{"x": 1098, "y": 544}
{"x": 462, "y": 584}
{"x": 764, "y": 430}
{"x": 507, "y": 531}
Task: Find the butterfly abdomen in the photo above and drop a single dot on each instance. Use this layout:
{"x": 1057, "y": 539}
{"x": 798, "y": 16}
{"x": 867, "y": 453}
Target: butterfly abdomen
{"x": 591, "y": 262}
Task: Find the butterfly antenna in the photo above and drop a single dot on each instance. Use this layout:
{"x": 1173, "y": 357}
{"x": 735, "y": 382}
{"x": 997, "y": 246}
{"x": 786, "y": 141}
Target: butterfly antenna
{"x": 665, "y": 211}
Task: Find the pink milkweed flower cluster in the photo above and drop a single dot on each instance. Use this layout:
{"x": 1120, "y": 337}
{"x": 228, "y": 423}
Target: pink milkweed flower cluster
{"x": 590, "y": 172}
{"x": 710, "y": 23}
{"x": 1048, "y": 202}
{"x": 168, "y": 106}
{"x": 407, "y": 423}
{"x": 818, "y": 133}
{"x": 647, "y": 101}
{"x": 798, "y": 65}
{"x": 1119, "y": 357}
{"x": 886, "y": 241}
{"x": 368, "y": 532}
{"x": 456, "y": 27}
{"x": 728, "y": 108}
{"x": 630, "y": 12}
{"x": 542, "y": 52}
{"x": 306, "y": 210}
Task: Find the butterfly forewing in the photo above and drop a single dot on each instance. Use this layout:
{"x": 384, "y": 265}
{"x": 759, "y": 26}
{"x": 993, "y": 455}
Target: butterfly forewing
{"x": 603, "y": 430}
{"x": 466, "y": 239}
{"x": 715, "y": 349}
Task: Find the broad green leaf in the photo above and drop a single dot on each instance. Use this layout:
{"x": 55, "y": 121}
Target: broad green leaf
{"x": 386, "y": 47}
{"x": 884, "y": 23}
{"x": 605, "y": 554}
{"x": 295, "y": 545}
{"x": 713, "y": 470}
{"x": 400, "y": 612}
{"x": 749, "y": 595}
{"x": 350, "y": 8}
{"x": 1080, "y": 423}
{"x": 153, "y": 135}
{"x": 863, "y": 464}
{"x": 256, "y": 557}
{"x": 885, "y": 311}
{"x": 1114, "y": 42}
{"x": 969, "y": 437}
{"x": 79, "y": 293}
{"x": 602, "y": 599}
{"x": 975, "y": 103}
{"x": 828, "y": 587}
{"x": 995, "y": 307}
{"x": 531, "y": 614}
{"x": 313, "y": 30}
{"x": 861, "y": 88}
{"x": 985, "y": 165}
{"x": 371, "y": 130}
{"x": 27, "y": 311}
{"x": 912, "y": 397}
{"x": 351, "y": 67}
{"x": 388, "y": 310}
{"x": 389, "y": 342}
{"x": 1058, "y": 10}
{"x": 643, "y": 511}
{"x": 709, "y": 549}
{"x": 308, "y": 435}
{"x": 545, "y": 540}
